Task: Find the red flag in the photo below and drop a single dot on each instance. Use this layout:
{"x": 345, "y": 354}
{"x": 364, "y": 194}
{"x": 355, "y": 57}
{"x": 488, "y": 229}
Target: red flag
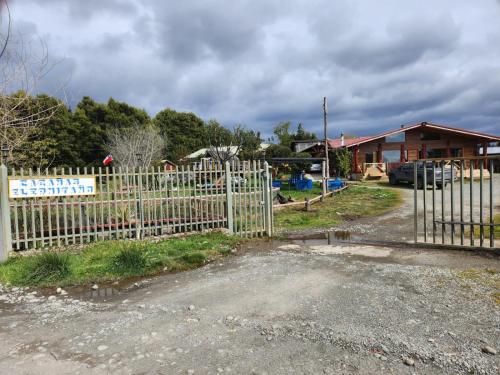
{"x": 107, "y": 160}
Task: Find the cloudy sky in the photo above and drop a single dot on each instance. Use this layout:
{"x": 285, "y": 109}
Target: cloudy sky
{"x": 380, "y": 63}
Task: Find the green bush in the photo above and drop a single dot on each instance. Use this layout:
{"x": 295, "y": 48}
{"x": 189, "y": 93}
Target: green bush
{"x": 129, "y": 260}
{"x": 48, "y": 267}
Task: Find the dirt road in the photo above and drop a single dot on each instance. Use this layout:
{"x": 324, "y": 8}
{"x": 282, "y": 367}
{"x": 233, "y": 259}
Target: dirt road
{"x": 286, "y": 308}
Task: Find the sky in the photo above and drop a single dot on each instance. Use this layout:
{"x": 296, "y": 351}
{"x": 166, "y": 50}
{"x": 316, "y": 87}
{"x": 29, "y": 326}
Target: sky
{"x": 380, "y": 63}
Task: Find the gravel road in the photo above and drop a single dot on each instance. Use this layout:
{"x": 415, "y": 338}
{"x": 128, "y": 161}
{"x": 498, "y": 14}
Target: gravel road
{"x": 274, "y": 308}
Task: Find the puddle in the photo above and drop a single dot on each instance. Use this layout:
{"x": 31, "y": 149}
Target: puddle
{"x": 325, "y": 238}
{"x": 337, "y": 242}
{"x": 106, "y": 291}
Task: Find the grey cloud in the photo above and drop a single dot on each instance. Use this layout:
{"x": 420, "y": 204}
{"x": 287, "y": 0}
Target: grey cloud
{"x": 86, "y": 9}
{"x": 403, "y": 46}
{"x": 260, "y": 63}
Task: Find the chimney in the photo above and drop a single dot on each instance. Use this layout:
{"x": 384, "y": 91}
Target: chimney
{"x": 342, "y": 139}
{"x": 402, "y": 126}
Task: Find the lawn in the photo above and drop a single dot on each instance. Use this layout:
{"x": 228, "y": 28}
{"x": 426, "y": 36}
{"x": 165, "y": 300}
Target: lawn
{"x": 355, "y": 202}
{"x": 297, "y": 195}
{"x": 113, "y": 260}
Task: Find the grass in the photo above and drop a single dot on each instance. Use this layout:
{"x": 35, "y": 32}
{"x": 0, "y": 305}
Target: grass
{"x": 487, "y": 279}
{"x": 114, "y": 260}
{"x": 496, "y": 230}
{"x": 355, "y": 202}
{"x": 300, "y": 195}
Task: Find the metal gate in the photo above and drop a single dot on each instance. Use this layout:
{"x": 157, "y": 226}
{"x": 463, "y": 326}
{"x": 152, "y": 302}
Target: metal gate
{"x": 454, "y": 201}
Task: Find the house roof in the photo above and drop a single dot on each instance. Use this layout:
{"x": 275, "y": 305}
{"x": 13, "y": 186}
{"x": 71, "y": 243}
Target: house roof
{"x": 233, "y": 149}
{"x": 336, "y": 143}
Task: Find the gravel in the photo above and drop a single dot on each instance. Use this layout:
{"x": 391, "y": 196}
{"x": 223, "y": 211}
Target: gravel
{"x": 278, "y": 310}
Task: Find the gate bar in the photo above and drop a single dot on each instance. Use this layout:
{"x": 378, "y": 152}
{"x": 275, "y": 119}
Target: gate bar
{"x": 443, "y": 227}
{"x": 424, "y": 191}
{"x": 452, "y": 203}
{"x": 471, "y": 203}
{"x": 433, "y": 202}
{"x": 415, "y": 201}
{"x": 492, "y": 231}
{"x": 481, "y": 229}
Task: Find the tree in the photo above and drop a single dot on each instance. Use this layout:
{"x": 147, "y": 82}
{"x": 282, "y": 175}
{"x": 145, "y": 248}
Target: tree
{"x": 342, "y": 161}
{"x": 20, "y": 71}
{"x": 53, "y": 143}
{"x": 97, "y": 120}
{"x": 278, "y": 151}
{"x": 224, "y": 144}
{"x": 184, "y": 132}
{"x": 302, "y": 135}
{"x": 282, "y": 132}
{"x": 136, "y": 146}
{"x": 250, "y": 144}
{"x": 285, "y": 136}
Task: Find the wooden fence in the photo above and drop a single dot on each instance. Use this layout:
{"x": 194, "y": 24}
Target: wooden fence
{"x": 131, "y": 203}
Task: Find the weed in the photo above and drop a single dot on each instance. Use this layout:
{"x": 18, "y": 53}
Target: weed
{"x": 130, "y": 259}
{"x": 48, "y": 267}
{"x": 111, "y": 260}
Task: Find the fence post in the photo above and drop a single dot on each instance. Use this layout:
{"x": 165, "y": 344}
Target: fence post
{"x": 325, "y": 180}
{"x": 268, "y": 201}
{"x": 229, "y": 199}
{"x": 6, "y": 231}
{"x": 140, "y": 209}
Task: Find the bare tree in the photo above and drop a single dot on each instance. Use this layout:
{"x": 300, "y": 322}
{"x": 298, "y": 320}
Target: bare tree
{"x": 22, "y": 66}
{"x": 139, "y": 146}
{"x": 224, "y": 145}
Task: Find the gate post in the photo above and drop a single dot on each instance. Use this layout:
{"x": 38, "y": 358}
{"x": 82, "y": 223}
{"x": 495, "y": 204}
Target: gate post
{"x": 6, "y": 231}
{"x": 268, "y": 200}
{"x": 229, "y": 199}
{"x": 140, "y": 208}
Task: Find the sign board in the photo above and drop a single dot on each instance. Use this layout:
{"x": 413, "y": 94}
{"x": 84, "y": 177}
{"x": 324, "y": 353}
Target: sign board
{"x": 57, "y": 186}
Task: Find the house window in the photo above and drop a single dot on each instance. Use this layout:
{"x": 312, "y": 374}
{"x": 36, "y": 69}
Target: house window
{"x": 369, "y": 158}
{"x": 392, "y": 156}
{"x": 428, "y": 136}
{"x": 399, "y": 137}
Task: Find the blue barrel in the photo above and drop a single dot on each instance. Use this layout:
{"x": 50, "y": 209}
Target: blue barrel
{"x": 335, "y": 184}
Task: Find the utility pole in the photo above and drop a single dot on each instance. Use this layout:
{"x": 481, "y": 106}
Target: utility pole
{"x": 325, "y": 124}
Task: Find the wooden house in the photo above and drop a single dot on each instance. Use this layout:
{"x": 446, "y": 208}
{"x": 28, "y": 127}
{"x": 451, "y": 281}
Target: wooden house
{"x": 374, "y": 156}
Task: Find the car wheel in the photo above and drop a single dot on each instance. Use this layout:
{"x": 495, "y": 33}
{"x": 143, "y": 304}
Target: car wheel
{"x": 393, "y": 180}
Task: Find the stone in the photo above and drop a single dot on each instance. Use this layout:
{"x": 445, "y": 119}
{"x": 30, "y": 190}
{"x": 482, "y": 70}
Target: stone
{"x": 102, "y": 348}
{"x": 59, "y": 290}
{"x": 190, "y": 372}
{"x": 409, "y": 362}
{"x": 95, "y": 287}
{"x": 431, "y": 340}
{"x": 191, "y": 307}
{"x": 52, "y": 298}
{"x": 489, "y": 350}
